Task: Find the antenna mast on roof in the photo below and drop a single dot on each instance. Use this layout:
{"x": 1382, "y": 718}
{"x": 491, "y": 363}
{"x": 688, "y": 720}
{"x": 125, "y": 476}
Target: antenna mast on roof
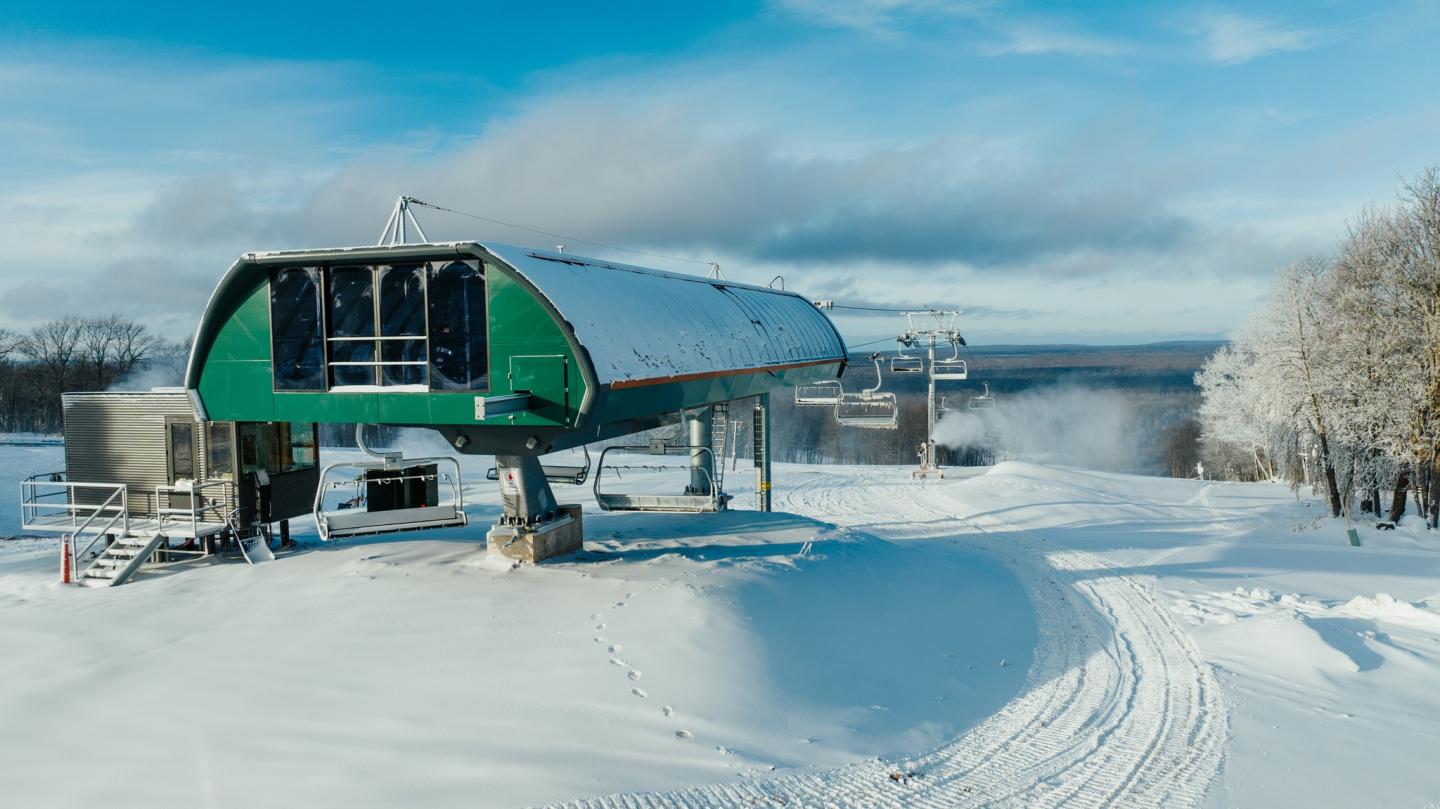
{"x": 396, "y": 231}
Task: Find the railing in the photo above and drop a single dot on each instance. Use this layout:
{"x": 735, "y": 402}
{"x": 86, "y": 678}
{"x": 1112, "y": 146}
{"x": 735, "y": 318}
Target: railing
{"x": 36, "y": 501}
{"x": 76, "y": 553}
{"x": 197, "y": 508}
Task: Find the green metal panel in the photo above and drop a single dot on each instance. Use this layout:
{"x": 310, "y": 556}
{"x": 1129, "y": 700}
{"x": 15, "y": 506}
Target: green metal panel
{"x": 545, "y": 378}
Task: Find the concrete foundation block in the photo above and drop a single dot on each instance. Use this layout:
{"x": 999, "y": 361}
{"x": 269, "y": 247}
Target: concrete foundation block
{"x": 561, "y": 536}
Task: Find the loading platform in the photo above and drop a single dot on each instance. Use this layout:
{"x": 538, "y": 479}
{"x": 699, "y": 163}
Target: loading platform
{"x": 110, "y": 531}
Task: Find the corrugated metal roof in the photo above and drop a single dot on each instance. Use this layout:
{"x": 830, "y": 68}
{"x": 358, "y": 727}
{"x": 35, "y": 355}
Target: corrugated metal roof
{"x": 638, "y": 323}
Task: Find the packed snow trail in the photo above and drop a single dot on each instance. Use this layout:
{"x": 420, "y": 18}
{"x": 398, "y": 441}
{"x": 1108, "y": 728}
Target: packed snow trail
{"x": 1118, "y": 709}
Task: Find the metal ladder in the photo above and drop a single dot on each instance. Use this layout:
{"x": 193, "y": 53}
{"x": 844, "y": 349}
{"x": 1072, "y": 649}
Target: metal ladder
{"x": 719, "y": 440}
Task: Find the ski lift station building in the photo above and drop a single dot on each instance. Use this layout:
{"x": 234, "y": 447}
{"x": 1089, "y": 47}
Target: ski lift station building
{"x": 504, "y": 350}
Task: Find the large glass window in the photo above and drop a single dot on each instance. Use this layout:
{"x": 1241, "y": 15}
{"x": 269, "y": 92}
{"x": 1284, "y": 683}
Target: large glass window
{"x": 420, "y": 326}
{"x": 352, "y": 326}
{"x": 402, "y": 315}
{"x": 219, "y": 450}
{"x": 298, "y": 344}
{"x": 276, "y": 447}
{"x": 459, "y": 354}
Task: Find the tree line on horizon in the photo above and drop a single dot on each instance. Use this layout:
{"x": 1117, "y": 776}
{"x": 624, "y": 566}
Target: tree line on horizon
{"x": 75, "y": 354}
{"x": 1334, "y": 384}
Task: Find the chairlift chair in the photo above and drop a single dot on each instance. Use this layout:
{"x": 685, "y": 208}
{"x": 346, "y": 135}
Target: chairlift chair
{"x": 824, "y": 393}
{"x": 870, "y": 408}
{"x": 391, "y": 493}
{"x": 983, "y": 401}
{"x": 903, "y": 363}
{"x": 951, "y": 367}
{"x": 567, "y": 474}
{"x": 690, "y": 502}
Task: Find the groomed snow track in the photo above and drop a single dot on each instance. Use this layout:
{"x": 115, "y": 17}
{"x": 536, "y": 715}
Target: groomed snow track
{"x": 1118, "y": 708}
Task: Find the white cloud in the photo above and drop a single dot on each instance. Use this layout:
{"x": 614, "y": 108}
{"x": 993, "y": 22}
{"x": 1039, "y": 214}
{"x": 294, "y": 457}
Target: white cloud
{"x": 1232, "y": 39}
{"x": 1027, "y": 38}
{"x": 884, "y": 18}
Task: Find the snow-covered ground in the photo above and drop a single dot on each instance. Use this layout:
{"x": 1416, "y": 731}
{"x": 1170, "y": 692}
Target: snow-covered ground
{"x": 1030, "y": 635}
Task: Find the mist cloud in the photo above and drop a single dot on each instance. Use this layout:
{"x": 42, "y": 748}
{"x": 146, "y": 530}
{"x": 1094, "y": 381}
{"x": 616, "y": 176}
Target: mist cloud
{"x": 1068, "y": 426}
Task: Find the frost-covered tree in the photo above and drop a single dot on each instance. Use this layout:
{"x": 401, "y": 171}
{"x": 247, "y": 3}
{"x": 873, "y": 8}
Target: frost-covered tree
{"x": 1336, "y": 381}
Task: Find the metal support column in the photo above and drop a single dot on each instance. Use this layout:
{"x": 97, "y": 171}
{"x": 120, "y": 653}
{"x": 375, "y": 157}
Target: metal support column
{"x": 699, "y": 425}
{"x": 761, "y": 436}
{"x": 524, "y": 490}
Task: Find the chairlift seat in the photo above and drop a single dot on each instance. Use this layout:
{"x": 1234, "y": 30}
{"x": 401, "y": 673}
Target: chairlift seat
{"x": 716, "y": 500}
{"x": 403, "y": 495}
{"x": 685, "y": 503}
{"x": 950, "y": 369}
{"x": 907, "y": 365}
{"x": 878, "y": 411}
{"x": 825, "y": 393}
{"x": 361, "y": 522}
{"x": 569, "y": 475}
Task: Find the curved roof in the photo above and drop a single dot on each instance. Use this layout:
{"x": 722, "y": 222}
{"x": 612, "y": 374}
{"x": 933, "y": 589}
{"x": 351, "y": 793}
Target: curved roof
{"x": 637, "y": 324}
{"x": 643, "y": 324}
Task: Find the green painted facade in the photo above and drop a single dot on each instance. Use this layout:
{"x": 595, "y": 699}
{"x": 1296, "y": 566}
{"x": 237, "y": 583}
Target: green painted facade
{"x": 525, "y": 347}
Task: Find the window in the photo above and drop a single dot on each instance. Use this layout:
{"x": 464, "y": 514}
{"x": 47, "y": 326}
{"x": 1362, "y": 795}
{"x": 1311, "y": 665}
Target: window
{"x": 297, "y": 344}
{"x": 402, "y": 315}
{"x": 352, "y": 326}
{"x": 220, "y": 451}
{"x": 418, "y": 326}
{"x": 276, "y": 448}
{"x": 182, "y": 450}
{"x": 459, "y": 358}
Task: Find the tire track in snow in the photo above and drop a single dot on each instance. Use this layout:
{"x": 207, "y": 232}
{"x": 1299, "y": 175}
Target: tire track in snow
{"x": 1118, "y": 708}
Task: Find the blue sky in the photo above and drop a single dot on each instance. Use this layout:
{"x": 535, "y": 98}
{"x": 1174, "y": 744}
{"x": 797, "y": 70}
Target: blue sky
{"x": 1073, "y": 172}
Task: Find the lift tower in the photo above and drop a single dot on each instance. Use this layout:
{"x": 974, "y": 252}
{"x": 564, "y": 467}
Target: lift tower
{"x": 928, "y": 328}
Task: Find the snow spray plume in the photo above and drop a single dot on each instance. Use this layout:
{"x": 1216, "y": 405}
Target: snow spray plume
{"x": 148, "y": 377}
{"x": 1069, "y": 426}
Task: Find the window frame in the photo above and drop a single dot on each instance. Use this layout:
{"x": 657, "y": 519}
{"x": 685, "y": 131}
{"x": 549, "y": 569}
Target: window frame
{"x": 323, "y": 289}
{"x": 482, "y": 269}
{"x": 323, "y": 325}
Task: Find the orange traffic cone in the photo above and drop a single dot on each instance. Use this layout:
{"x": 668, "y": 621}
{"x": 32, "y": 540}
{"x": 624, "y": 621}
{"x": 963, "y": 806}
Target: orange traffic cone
{"x": 65, "y": 560}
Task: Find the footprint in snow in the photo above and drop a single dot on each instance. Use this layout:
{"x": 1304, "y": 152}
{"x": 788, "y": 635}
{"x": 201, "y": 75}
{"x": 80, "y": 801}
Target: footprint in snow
{"x": 615, "y": 661}
{"x": 684, "y": 734}
{"x": 668, "y": 711}
{"x": 639, "y": 692}
{"x": 634, "y": 674}
{"x": 615, "y": 648}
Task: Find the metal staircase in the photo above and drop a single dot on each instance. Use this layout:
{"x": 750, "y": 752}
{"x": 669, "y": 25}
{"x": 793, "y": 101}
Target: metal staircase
{"x": 118, "y": 562}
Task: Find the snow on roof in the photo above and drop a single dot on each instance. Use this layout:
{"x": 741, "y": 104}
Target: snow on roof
{"x": 638, "y": 323}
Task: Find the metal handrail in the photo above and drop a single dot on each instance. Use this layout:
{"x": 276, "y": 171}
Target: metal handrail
{"x": 195, "y": 510}
{"x": 30, "y": 505}
{"x": 121, "y": 491}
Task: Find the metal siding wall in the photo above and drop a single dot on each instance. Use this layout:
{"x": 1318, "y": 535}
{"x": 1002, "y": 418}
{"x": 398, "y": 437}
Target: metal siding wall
{"x": 120, "y": 438}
